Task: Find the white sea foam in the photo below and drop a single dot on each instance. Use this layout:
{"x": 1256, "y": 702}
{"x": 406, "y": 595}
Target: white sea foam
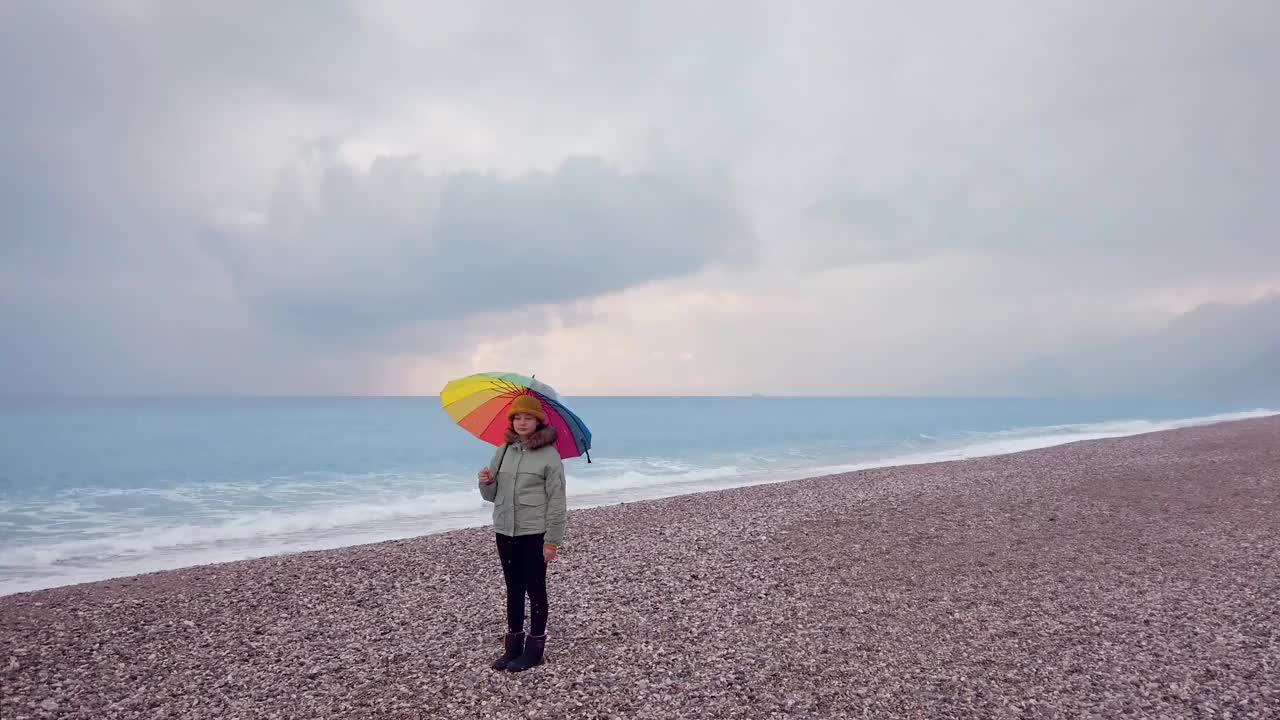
{"x": 133, "y": 538}
{"x": 638, "y": 486}
{"x": 1035, "y": 438}
{"x": 325, "y": 510}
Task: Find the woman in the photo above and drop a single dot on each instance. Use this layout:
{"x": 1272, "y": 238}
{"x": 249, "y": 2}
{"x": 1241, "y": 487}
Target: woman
{"x": 525, "y": 483}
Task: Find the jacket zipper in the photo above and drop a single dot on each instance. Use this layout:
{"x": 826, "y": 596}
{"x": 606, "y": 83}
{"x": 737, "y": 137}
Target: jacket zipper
{"x": 515, "y": 478}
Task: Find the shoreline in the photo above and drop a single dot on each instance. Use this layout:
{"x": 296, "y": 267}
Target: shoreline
{"x": 1135, "y": 575}
{"x": 1014, "y": 441}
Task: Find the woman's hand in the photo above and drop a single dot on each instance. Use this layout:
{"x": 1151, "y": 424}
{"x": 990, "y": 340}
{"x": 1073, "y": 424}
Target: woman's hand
{"x": 549, "y": 553}
{"x": 485, "y": 476}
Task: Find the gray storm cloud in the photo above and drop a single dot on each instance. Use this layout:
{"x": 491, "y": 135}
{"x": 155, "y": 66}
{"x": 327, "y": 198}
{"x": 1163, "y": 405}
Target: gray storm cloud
{"x": 343, "y": 254}
{"x": 162, "y": 231}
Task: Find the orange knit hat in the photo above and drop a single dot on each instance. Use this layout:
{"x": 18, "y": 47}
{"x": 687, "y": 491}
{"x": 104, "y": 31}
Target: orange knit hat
{"x": 527, "y": 404}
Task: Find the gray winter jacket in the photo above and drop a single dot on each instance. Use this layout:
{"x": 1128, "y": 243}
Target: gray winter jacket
{"x": 528, "y": 493}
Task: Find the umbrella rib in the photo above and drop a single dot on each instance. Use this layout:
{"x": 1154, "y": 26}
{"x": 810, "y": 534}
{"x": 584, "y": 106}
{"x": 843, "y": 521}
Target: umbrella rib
{"x": 577, "y": 429}
{"x": 506, "y": 386}
{"x": 571, "y": 419}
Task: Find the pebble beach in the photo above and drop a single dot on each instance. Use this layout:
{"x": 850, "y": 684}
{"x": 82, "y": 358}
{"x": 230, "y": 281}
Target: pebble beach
{"x": 1132, "y": 577}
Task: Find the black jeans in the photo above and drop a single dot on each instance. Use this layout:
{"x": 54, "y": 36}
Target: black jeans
{"x": 525, "y": 571}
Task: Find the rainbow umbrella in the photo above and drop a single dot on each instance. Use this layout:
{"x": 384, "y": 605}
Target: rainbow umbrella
{"x": 479, "y": 403}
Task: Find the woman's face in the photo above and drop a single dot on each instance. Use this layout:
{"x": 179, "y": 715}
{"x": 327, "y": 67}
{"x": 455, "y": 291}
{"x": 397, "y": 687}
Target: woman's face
{"x": 524, "y": 424}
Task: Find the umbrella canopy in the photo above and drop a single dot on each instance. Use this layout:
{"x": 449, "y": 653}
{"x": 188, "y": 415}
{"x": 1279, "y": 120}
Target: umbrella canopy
{"x": 479, "y": 404}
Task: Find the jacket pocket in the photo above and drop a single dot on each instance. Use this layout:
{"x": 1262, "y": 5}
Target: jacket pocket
{"x": 531, "y": 497}
{"x": 500, "y": 498}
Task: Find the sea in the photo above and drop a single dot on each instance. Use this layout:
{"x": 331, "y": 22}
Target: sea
{"x": 92, "y": 489}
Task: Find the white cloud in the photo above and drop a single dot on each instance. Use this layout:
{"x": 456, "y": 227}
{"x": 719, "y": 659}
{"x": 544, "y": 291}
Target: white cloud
{"x": 849, "y": 330}
{"x": 924, "y": 186}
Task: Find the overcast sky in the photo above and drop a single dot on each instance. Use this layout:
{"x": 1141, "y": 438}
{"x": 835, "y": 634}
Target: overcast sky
{"x": 664, "y": 197}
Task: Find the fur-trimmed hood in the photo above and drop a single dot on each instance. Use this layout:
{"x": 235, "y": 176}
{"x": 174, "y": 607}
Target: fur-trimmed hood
{"x": 539, "y": 439}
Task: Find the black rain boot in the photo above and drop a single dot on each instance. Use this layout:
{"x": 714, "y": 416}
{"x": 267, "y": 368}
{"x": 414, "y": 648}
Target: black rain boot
{"x": 532, "y": 654}
{"x": 515, "y": 647}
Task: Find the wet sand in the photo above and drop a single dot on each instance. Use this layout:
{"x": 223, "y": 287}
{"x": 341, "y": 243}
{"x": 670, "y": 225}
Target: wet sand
{"x": 1131, "y": 577}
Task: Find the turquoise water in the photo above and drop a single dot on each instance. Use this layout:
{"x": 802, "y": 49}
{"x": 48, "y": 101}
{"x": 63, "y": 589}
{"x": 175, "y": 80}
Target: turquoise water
{"x": 91, "y": 489}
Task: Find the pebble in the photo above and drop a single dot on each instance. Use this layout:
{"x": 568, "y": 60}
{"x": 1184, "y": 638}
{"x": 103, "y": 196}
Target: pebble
{"x": 1129, "y": 577}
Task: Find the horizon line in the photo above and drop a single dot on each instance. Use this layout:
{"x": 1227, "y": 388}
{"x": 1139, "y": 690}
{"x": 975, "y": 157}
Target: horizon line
{"x": 609, "y": 396}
